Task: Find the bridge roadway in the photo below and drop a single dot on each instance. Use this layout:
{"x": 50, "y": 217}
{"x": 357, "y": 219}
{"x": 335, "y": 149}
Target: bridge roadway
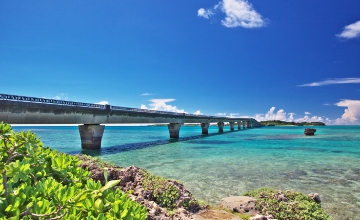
{"x": 29, "y": 110}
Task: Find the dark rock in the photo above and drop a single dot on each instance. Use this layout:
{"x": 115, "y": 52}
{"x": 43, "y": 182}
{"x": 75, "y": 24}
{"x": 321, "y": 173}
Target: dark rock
{"x": 315, "y": 197}
{"x": 281, "y": 197}
{"x": 309, "y": 131}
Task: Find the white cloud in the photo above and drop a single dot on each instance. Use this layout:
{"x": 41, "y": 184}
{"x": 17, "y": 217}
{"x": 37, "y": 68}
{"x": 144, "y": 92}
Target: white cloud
{"x": 308, "y": 119}
{"x": 160, "y": 105}
{"x": 103, "y": 103}
{"x": 146, "y": 94}
{"x": 239, "y": 13}
{"x": 61, "y": 96}
{"x": 198, "y": 112}
{"x": 220, "y": 114}
{"x": 270, "y": 115}
{"x": 291, "y": 117}
{"x": 351, "y": 113}
{"x": 205, "y": 13}
{"x": 333, "y": 81}
{"x": 233, "y": 115}
{"x": 351, "y": 31}
{"x": 283, "y": 116}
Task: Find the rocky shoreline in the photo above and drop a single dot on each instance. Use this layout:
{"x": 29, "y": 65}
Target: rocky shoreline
{"x": 184, "y": 206}
{"x": 131, "y": 182}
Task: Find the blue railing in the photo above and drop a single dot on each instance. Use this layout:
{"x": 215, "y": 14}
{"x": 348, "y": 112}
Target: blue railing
{"x": 48, "y": 101}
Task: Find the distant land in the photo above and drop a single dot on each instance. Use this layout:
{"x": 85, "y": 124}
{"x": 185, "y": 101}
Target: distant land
{"x": 278, "y": 122}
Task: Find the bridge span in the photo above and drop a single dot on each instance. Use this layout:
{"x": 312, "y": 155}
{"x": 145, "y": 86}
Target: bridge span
{"x": 92, "y": 117}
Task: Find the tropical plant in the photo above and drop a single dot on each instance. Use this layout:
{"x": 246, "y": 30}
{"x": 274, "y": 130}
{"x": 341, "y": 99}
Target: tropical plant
{"x": 40, "y": 183}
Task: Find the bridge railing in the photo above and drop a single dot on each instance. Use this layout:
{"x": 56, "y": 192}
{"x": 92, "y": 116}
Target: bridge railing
{"x": 149, "y": 111}
{"x": 48, "y": 101}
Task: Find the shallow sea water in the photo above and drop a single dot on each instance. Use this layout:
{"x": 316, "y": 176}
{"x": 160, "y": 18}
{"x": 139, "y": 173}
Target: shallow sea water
{"x": 217, "y": 166}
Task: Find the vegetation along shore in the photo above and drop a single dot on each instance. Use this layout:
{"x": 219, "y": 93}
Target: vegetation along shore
{"x": 41, "y": 183}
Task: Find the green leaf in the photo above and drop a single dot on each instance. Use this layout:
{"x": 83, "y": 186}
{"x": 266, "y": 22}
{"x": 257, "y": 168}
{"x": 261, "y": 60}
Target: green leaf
{"x": 18, "y": 170}
{"x": 99, "y": 205}
{"x": 124, "y": 213}
{"x": 81, "y": 196}
{"x": 109, "y": 185}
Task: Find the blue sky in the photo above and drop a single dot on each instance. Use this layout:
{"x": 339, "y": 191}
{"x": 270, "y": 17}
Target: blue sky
{"x": 287, "y": 60}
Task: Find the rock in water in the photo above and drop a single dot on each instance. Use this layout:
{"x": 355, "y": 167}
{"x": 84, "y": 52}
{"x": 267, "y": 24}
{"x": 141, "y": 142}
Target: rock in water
{"x": 309, "y": 131}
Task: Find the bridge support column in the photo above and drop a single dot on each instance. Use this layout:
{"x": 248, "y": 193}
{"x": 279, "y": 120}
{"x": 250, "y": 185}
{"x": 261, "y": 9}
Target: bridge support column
{"x": 205, "y": 128}
{"x": 221, "y": 126}
{"x": 174, "y": 130}
{"x": 91, "y": 135}
{"x": 239, "y": 125}
{"x": 244, "y": 124}
{"x": 232, "y": 126}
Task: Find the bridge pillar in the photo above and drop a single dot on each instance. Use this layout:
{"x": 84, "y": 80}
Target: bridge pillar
{"x": 244, "y": 124}
{"x": 232, "y": 126}
{"x": 221, "y": 126}
{"x": 91, "y": 135}
{"x": 205, "y": 128}
{"x": 239, "y": 125}
{"x": 174, "y": 130}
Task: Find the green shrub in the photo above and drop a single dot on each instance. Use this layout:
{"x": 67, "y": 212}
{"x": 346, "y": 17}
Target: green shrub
{"x": 298, "y": 206}
{"x": 164, "y": 193}
{"x": 40, "y": 183}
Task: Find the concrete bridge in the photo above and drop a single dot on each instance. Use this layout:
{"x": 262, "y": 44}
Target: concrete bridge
{"x": 29, "y": 110}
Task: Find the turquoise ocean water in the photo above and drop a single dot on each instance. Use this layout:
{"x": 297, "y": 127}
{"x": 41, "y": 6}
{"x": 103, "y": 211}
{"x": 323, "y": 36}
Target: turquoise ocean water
{"x": 217, "y": 166}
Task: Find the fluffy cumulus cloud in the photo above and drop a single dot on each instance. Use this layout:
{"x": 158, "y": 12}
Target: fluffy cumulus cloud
{"x": 333, "y": 81}
{"x": 350, "y": 116}
{"x": 351, "y": 31}
{"x": 238, "y": 13}
{"x": 351, "y": 113}
{"x": 306, "y": 118}
{"x": 291, "y": 116}
{"x": 205, "y": 13}
{"x": 161, "y": 105}
{"x": 283, "y": 116}
{"x": 272, "y": 115}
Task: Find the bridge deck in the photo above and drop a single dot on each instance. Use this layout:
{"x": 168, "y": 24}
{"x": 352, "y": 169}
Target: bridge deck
{"x": 29, "y": 110}
{"x": 19, "y": 112}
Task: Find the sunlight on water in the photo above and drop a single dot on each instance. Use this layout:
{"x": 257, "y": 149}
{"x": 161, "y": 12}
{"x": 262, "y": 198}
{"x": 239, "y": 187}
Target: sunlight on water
{"x": 232, "y": 163}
